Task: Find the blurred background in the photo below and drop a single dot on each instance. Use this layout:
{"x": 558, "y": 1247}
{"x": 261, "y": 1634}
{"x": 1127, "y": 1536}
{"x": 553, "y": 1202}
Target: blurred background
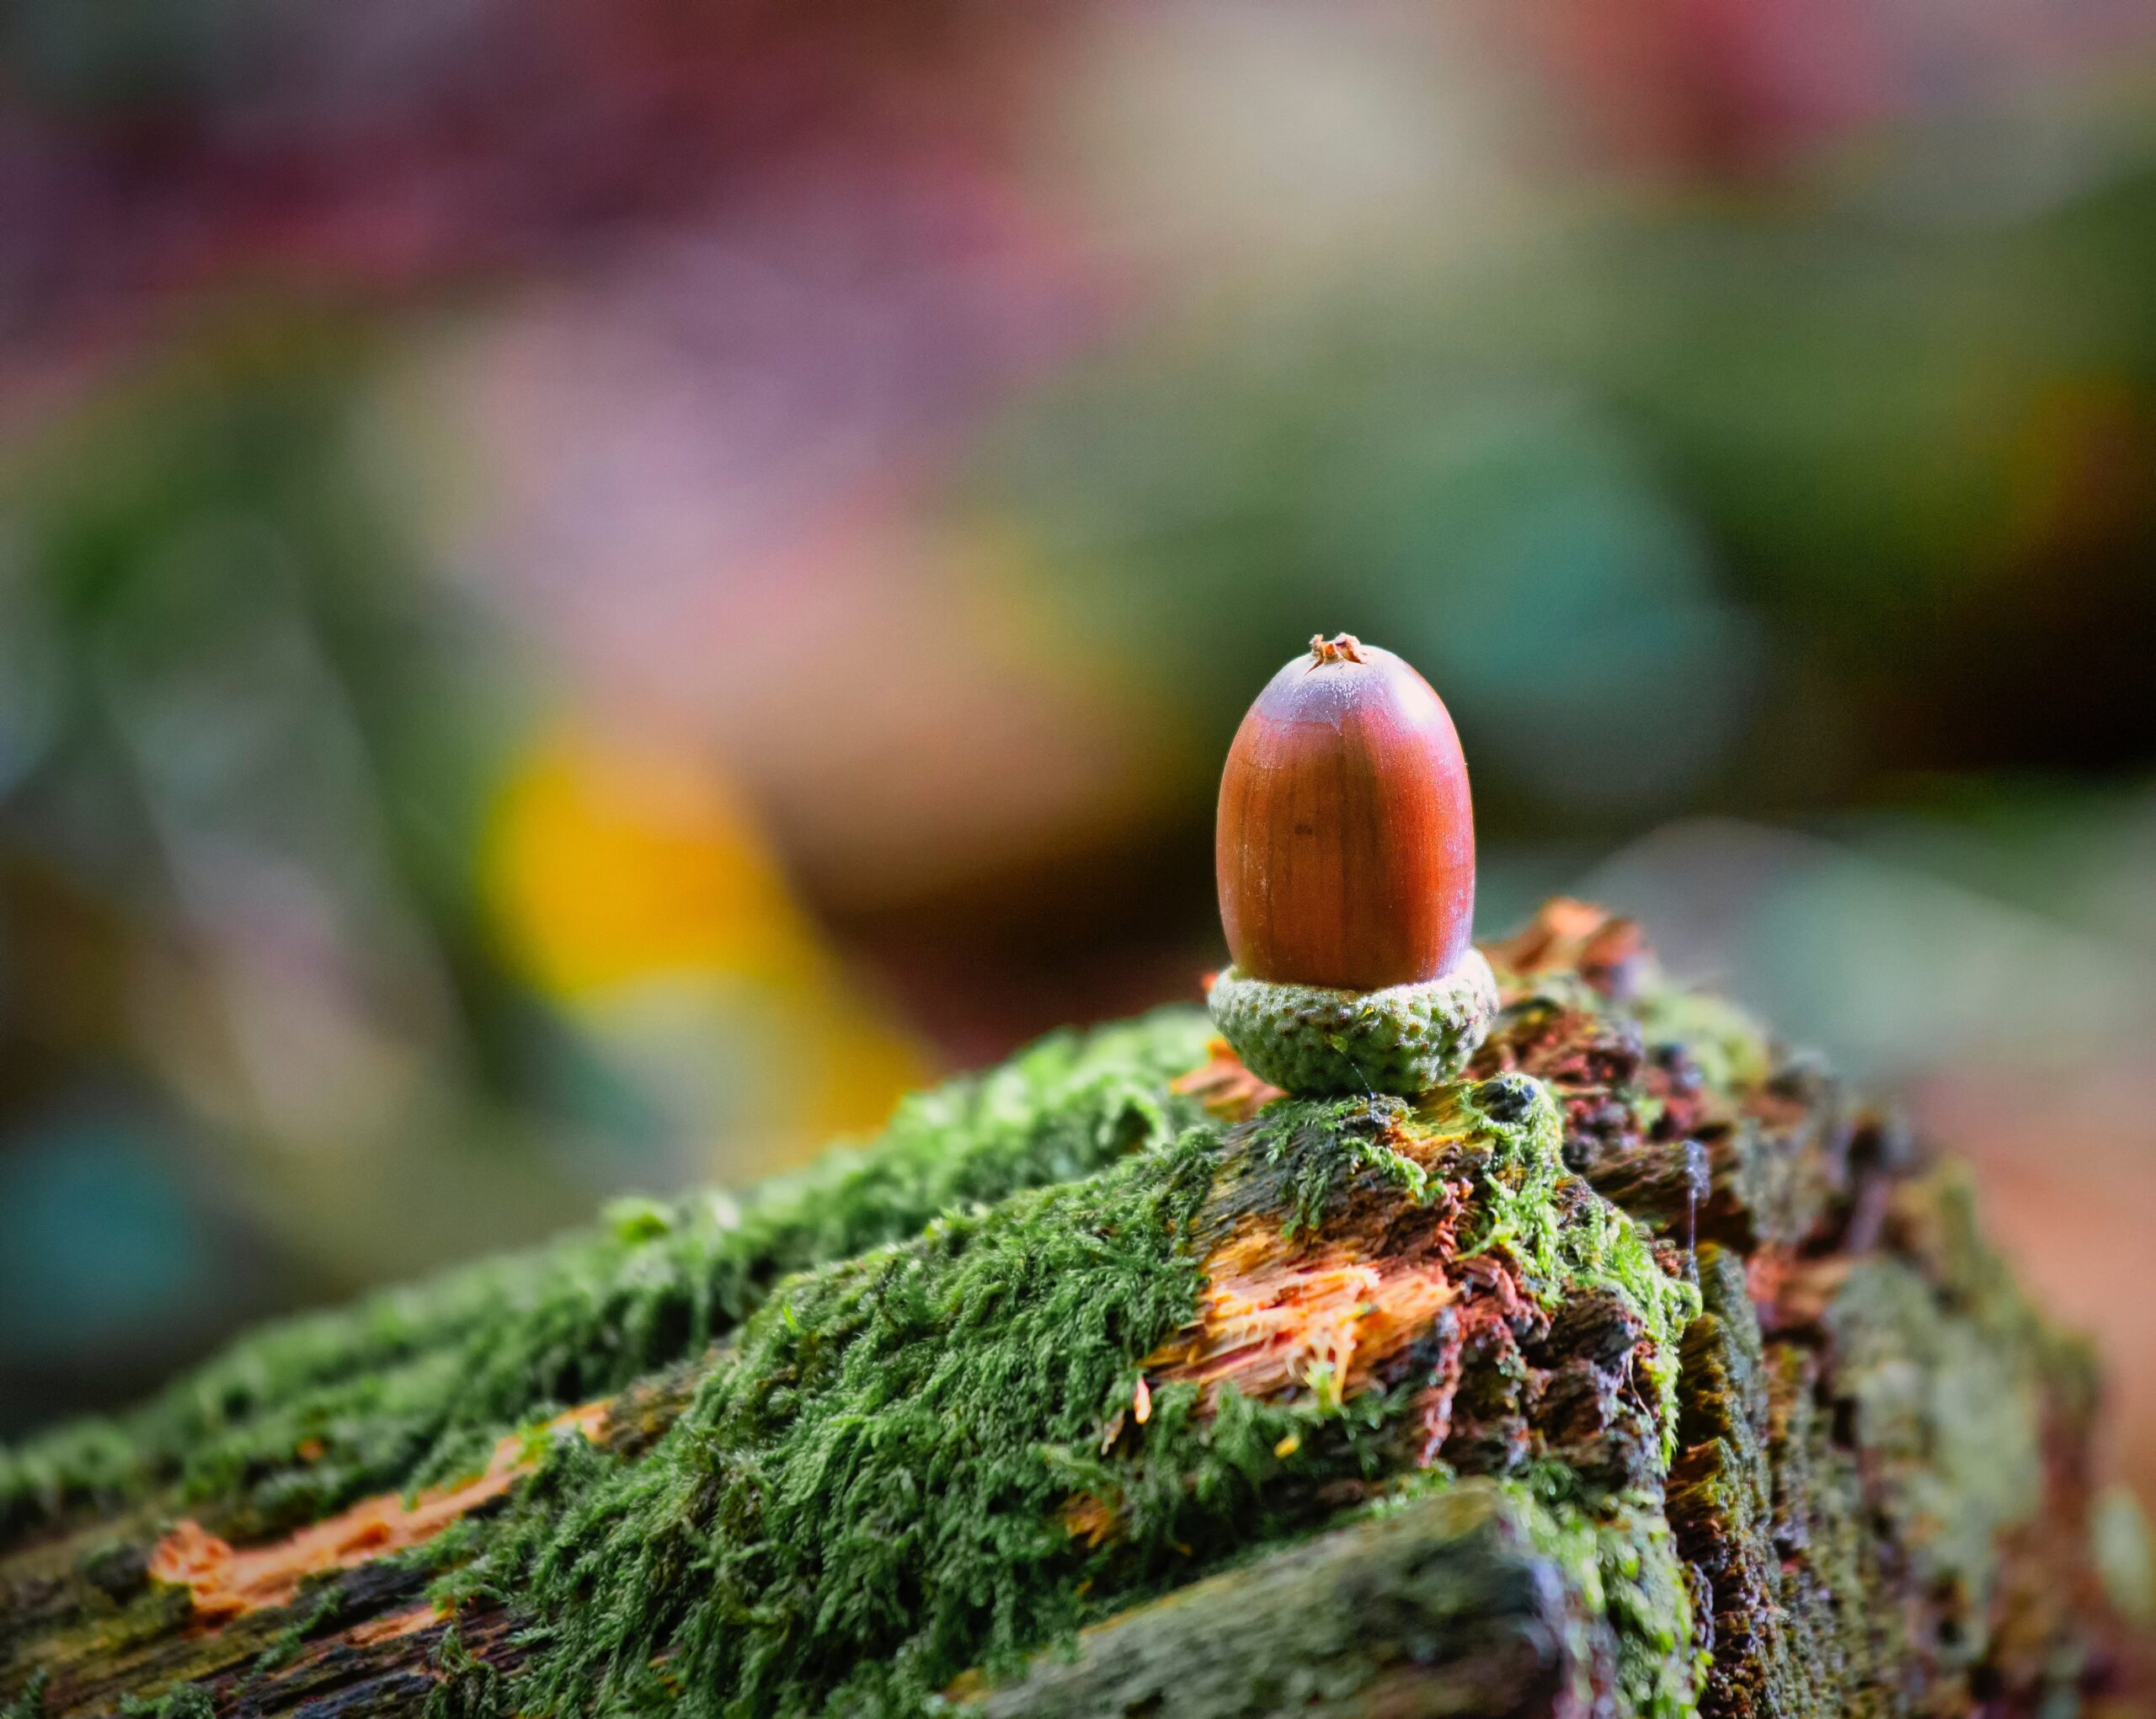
{"x": 590, "y": 589}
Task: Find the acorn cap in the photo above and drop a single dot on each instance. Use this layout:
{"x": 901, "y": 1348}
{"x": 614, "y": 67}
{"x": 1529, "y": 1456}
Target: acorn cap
{"x": 1405, "y": 1038}
{"x": 1345, "y": 846}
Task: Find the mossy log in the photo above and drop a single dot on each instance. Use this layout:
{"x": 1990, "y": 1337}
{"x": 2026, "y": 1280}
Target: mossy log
{"x": 1646, "y": 1371}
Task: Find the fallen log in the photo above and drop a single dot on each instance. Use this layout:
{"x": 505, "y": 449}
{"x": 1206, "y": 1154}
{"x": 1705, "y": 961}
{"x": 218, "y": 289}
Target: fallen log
{"x": 1644, "y": 1371}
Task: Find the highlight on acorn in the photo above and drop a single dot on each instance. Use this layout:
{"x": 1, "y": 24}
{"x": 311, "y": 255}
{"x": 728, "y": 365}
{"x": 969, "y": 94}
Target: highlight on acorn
{"x": 1344, "y": 853}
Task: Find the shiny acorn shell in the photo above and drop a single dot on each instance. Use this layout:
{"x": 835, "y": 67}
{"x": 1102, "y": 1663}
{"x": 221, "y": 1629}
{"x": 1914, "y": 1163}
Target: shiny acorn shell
{"x": 1345, "y": 846}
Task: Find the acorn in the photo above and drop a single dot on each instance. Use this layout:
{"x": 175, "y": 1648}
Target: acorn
{"x": 1345, "y": 857}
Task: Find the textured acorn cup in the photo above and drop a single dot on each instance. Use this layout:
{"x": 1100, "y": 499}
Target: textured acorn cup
{"x": 1345, "y": 857}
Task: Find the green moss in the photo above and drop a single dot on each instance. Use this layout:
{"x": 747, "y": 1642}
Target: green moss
{"x": 466, "y": 1687}
{"x": 1947, "y": 1425}
{"x": 187, "y": 1700}
{"x": 1621, "y": 1561}
{"x": 417, "y": 1384}
{"x": 1301, "y": 1153}
{"x": 867, "y": 1499}
{"x": 912, "y": 1443}
{"x": 1444, "y": 1604}
{"x": 1721, "y": 1502}
{"x": 30, "y": 1703}
{"x": 1649, "y": 1607}
{"x": 1944, "y": 1366}
{"x": 1733, "y": 1050}
{"x": 1565, "y": 1238}
{"x": 874, "y": 1493}
{"x": 328, "y": 1602}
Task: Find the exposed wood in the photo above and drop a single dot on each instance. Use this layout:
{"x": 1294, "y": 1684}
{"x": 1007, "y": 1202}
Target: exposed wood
{"x": 224, "y": 1583}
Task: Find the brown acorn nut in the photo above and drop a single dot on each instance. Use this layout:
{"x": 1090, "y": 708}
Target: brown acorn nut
{"x": 1346, "y": 862}
{"x": 1345, "y": 848}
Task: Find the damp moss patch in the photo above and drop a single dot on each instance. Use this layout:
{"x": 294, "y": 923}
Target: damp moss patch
{"x": 415, "y": 1386}
{"x": 942, "y": 1456}
{"x": 911, "y": 1438}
